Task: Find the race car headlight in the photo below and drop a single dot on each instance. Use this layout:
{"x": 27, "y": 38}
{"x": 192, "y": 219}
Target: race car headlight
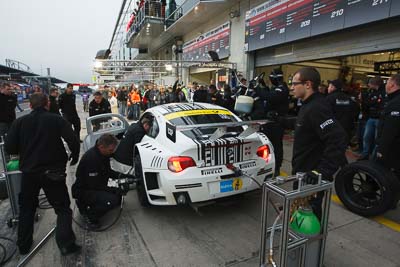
{"x": 178, "y": 164}
{"x": 263, "y": 152}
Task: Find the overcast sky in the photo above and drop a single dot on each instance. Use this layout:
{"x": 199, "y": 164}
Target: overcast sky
{"x": 59, "y": 34}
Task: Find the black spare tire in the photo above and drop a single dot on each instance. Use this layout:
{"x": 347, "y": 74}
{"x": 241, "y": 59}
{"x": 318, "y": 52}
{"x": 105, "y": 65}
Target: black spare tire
{"x": 367, "y": 188}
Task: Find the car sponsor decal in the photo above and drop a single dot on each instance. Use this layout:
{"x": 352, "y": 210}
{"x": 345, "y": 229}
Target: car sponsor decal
{"x": 221, "y": 151}
{"x": 171, "y": 132}
{"x": 180, "y": 107}
{"x": 197, "y": 112}
{"x": 211, "y": 171}
{"x": 230, "y": 185}
{"x": 247, "y": 165}
{"x": 237, "y": 184}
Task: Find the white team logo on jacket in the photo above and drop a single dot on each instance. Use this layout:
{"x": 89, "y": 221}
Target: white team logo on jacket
{"x": 326, "y": 123}
{"x": 395, "y": 113}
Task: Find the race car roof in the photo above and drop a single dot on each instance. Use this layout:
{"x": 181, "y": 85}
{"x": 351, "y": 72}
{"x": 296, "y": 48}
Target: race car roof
{"x": 181, "y": 107}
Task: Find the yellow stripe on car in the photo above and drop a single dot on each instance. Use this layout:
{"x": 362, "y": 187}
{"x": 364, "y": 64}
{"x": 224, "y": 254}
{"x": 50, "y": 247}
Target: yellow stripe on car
{"x": 196, "y": 112}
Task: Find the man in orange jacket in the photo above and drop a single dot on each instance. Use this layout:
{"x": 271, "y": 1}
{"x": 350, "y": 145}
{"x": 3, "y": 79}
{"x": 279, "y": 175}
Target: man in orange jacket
{"x": 134, "y": 104}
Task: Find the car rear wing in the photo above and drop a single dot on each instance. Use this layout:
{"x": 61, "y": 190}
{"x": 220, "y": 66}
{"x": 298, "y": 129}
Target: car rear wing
{"x": 253, "y": 126}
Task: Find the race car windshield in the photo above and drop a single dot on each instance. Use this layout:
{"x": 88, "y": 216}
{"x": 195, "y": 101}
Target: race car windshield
{"x": 204, "y": 133}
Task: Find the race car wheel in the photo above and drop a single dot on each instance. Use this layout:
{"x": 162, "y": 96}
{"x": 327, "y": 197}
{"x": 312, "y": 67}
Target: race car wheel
{"x": 367, "y": 188}
{"x": 140, "y": 187}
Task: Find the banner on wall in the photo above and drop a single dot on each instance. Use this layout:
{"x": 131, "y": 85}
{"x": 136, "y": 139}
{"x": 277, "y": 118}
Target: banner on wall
{"x": 217, "y": 39}
{"x": 281, "y": 21}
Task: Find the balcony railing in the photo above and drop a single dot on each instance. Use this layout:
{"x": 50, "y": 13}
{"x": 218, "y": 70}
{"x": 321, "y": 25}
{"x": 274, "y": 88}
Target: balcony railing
{"x": 152, "y": 10}
{"x": 176, "y": 14}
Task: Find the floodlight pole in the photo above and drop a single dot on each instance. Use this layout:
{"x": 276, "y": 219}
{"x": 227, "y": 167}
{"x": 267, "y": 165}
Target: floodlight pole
{"x": 48, "y": 80}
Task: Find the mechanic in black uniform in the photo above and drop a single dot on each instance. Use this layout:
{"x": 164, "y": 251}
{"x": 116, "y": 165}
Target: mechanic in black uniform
{"x": 94, "y": 197}
{"x": 214, "y": 97}
{"x": 99, "y": 105}
{"x": 319, "y": 140}
{"x": 276, "y": 108}
{"x": 68, "y": 108}
{"x": 54, "y": 107}
{"x": 8, "y": 102}
{"x": 389, "y": 127}
{"x": 373, "y": 105}
{"x": 134, "y": 134}
{"x": 259, "y": 94}
{"x": 200, "y": 94}
{"x": 344, "y": 108}
{"x": 36, "y": 137}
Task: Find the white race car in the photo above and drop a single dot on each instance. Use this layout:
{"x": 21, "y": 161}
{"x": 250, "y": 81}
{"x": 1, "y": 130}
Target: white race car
{"x": 194, "y": 152}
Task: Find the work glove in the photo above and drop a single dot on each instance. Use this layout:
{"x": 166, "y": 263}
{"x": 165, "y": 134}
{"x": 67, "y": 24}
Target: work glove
{"x": 73, "y": 159}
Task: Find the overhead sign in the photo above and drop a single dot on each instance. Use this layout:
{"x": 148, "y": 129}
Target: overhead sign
{"x": 106, "y": 78}
{"x": 280, "y": 21}
{"x": 217, "y": 39}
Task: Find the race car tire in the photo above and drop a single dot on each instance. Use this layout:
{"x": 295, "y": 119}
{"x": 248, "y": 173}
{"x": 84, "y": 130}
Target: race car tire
{"x": 140, "y": 187}
{"x": 367, "y": 188}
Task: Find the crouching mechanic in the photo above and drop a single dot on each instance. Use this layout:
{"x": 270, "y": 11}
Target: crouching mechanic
{"x": 93, "y": 197}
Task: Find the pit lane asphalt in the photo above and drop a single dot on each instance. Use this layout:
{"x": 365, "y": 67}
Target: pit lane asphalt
{"x": 222, "y": 234}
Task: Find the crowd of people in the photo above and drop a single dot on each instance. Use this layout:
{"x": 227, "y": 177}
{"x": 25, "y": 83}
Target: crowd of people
{"x": 358, "y": 114}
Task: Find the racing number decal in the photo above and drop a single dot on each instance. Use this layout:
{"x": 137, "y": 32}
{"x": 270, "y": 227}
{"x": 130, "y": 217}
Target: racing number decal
{"x": 237, "y": 184}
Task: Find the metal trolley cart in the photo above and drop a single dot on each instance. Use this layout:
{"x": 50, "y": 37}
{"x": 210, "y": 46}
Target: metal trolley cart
{"x": 13, "y": 184}
{"x": 294, "y": 248}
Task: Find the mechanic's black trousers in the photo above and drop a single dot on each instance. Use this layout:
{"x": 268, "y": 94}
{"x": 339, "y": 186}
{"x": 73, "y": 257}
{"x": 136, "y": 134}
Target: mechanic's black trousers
{"x": 95, "y": 204}
{"x": 76, "y": 123}
{"x": 57, "y": 195}
{"x": 274, "y": 131}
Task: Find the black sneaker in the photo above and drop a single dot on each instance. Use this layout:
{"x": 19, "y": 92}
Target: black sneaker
{"x": 71, "y": 249}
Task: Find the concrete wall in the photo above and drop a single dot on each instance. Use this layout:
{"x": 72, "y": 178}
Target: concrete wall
{"x": 237, "y": 54}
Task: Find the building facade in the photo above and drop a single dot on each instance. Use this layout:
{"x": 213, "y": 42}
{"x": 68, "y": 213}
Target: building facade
{"x": 354, "y": 37}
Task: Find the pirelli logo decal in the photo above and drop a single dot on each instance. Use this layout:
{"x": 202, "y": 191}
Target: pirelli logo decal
{"x": 221, "y": 151}
{"x": 211, "y": 171}
{"x": 196, "y": 112}
{"x": 247, "y": 165}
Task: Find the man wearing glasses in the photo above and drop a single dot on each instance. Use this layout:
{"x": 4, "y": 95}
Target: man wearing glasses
{"x": 319, "y": 141}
